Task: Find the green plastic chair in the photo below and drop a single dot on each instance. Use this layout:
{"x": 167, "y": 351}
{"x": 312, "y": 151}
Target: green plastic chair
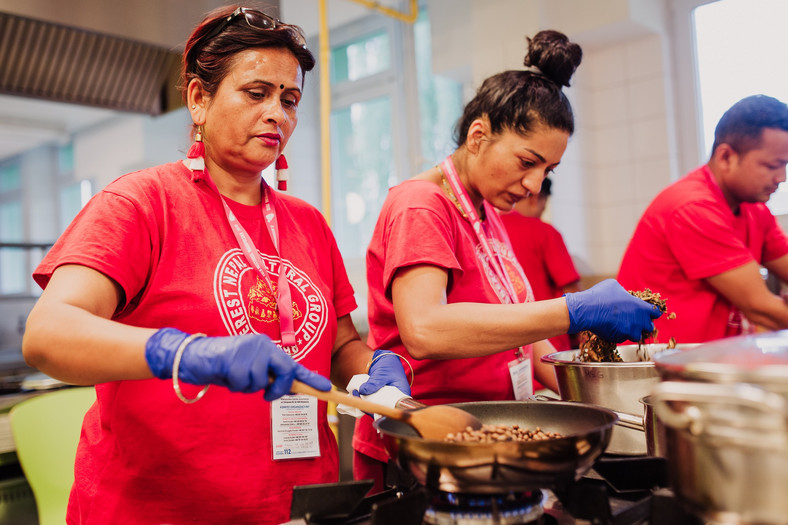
{"x": 46, "y": 430}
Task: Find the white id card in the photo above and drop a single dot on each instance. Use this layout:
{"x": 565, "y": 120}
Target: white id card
{"x": 294, "y": 432}
{"x": 522, "y": 377}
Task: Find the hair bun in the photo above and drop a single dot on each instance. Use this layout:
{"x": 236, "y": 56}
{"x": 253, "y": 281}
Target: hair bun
{"x": 555, "y": 56}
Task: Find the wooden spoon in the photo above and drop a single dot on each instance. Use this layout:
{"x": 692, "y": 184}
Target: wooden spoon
{"x": 431, "y": 422}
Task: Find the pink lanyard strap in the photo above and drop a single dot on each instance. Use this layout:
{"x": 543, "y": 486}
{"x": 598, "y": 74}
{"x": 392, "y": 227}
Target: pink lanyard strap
{"x": 284, "y": 302}
{"x": 493, "y": 256}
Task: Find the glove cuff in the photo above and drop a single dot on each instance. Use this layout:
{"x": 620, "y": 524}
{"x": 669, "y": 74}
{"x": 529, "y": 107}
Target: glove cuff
{"x": 387, "y": 396}
{"x": 160, "y": 351}
{"x": 571, "y": 306}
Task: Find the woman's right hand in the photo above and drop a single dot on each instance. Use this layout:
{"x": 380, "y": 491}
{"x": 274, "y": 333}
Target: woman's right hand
{"x": 243, "y": 363}
{"x": 610, "y": 312}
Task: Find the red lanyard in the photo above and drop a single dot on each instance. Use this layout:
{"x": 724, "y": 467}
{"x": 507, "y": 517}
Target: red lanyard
{"x": 493, "y": 256}
{"x": 284, "y": 302}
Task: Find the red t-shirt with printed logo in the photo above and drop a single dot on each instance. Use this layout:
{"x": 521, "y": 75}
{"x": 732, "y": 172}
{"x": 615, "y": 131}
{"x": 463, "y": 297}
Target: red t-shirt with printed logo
{"x": 144, "y": 456}
{"x": 687, "y": 234}
{"x": 418, "y": 224}
{"x": 541, "y": 251}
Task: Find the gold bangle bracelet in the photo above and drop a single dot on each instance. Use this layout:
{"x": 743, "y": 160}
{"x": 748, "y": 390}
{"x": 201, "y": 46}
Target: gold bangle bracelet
{"x": 177, "y": 363}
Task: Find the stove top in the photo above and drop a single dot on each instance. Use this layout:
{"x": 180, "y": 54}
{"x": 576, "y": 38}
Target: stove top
{"x": 617, "y": 491}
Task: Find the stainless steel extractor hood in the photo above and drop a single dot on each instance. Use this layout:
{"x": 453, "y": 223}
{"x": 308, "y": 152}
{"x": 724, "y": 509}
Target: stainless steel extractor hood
{"x": 55, "y": 62}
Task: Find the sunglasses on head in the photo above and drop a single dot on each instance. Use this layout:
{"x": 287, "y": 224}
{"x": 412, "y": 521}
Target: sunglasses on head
{"x": 256, "y": 20}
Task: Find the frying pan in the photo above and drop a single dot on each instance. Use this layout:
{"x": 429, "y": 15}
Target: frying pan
{"x": 493, "y": 468}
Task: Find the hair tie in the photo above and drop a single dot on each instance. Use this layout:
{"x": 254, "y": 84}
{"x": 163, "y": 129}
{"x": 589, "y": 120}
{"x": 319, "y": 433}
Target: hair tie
{"x": 535, "y": 70}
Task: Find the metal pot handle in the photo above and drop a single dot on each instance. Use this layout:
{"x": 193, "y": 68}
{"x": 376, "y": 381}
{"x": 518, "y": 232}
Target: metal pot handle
{"x": 741, "y": 394}
{"x": 624, "y": 419}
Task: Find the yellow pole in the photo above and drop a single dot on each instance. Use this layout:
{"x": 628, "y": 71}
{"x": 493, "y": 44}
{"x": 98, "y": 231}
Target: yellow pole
{"x": 325, "y": 110}
{"x": 393, "y": 13}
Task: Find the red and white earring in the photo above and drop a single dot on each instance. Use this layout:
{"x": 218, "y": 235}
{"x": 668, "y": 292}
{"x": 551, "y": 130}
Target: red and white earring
{"x": 196, "y": 156}
{"x": 281, "y": 173}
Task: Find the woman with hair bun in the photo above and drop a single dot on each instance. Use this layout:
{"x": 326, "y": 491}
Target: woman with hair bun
{"x": 445, "y": 289}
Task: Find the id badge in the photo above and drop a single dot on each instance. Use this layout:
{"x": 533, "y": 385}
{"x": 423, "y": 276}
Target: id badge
{"x": 522, "y": 377}
{"x": 294, "y": 432}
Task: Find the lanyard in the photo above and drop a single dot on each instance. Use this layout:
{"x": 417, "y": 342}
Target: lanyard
{"x": 493, "y": 256}
{"x": 284, "y": 302}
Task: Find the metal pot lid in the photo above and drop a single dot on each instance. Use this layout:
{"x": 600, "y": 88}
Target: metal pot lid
{"x": 756, "y": 358}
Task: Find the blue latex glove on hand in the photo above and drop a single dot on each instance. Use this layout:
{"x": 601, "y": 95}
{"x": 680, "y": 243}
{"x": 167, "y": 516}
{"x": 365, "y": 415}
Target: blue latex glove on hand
{"x": 385, "y": 370}
{"x": 610, "y": 312}
{"x": 243, "y": 363}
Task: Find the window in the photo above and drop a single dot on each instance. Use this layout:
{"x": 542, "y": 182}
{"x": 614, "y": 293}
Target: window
{"x": 391, "y": 118}
{"x": 13, "y": 276}
{"x": 741, "y": 49}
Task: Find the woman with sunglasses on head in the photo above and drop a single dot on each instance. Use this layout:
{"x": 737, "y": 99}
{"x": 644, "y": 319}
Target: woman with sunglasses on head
{"x": 192, "y": 295}
{"x": 445, "y": 288}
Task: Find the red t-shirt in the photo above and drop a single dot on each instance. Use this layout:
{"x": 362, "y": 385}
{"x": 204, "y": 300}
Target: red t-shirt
{"x": 144, "y": 456}
{"x": 418, "y": 224}
{"x": 687, "y": 234}
{"x": 541, "y": 251}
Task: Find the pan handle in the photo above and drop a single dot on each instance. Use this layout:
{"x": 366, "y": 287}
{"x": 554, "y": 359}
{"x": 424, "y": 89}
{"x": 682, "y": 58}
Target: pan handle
{"x": 625, "y": 419}
{"x": 630, "y": 421}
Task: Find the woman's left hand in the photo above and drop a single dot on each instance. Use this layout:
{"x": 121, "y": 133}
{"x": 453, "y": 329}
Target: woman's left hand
{"x": 385, "y": 370}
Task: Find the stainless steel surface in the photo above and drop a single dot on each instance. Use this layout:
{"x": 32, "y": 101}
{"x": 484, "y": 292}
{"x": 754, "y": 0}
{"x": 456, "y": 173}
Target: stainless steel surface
{"x": 488, "y": 468}
{"x": 727, "y": 449}
{"x": 724, "y": 405}
{"x": 617, "y": 386}
{"x": 654, "y": 429}
{"x": 760, "y": 359}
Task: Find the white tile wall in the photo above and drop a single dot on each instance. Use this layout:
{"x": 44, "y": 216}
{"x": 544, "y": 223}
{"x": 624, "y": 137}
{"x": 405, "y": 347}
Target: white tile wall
{"x": 627, "y": 143}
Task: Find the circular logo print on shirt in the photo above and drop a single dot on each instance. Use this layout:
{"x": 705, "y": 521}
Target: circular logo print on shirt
{"x": 248, "y": 305}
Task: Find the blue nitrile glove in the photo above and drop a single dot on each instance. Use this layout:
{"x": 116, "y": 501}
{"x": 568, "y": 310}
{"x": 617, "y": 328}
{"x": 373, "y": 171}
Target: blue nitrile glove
{"x": 610, "y": 312}
{"x": 243, "y": 363}
{"x": 386, "y": 369}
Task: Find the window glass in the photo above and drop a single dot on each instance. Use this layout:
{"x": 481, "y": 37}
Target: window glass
{"x": 742, "y": 49}
{"x": 361, "y": 58}
{"x": 65, "y": 159}
{"x": 362, "y": 152}
{"x": 10, "y": 178}
{"x": 12, "y": 260}
{"x": 72, "y": 199}
{"x": 440, "y": 100}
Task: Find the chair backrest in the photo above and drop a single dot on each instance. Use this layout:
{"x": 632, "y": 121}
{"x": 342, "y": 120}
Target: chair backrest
{"x": 46, "y": 430}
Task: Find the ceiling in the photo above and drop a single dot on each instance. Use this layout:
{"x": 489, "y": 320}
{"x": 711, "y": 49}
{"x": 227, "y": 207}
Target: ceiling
{"x": 29, "y": 121}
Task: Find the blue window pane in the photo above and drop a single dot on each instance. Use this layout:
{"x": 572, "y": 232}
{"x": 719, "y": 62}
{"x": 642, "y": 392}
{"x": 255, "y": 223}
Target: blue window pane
{"x": 13, "y": 274}
{"x": 362, "y": 168}
{"x": 440, "y": 100}
{"x": 360, "y": 58}
{"x": 10, "y": 178}
{"x": 65, "y": 158}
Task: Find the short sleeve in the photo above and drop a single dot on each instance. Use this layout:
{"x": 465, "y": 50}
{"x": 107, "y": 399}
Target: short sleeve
{"x": 110, "y": 235}
{"x": 418, "y": 236}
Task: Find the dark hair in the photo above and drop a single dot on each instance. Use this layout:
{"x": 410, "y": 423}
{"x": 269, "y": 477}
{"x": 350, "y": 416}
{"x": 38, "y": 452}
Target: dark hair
{"x": 547, "y": 184}
{"x": 741, "y": 127}
{"x": 210, "y": 61}
{"x": 518, "y": 100}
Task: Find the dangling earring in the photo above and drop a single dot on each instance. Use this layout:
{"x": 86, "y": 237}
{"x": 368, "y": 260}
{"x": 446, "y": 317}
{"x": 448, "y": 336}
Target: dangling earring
{"x": 281, "y": 173}
{"x": 196, "y": 156}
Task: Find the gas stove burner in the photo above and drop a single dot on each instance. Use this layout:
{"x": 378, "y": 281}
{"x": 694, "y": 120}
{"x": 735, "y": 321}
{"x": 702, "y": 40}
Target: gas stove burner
{"x": 448, "y": 508}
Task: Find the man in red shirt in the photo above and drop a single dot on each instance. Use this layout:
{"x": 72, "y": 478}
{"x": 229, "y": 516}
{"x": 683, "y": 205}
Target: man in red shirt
{"x": 541, "y": 251}
{"x": 702, "y": 240}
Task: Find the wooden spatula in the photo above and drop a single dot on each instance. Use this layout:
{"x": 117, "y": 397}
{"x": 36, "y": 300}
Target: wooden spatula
{"x": 431, "y": 422}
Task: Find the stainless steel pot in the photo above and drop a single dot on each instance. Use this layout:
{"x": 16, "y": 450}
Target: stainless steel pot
{"x": 490, "y": 468}
{"x": 616, "y": 386}
{"x": 724, "y": 406}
